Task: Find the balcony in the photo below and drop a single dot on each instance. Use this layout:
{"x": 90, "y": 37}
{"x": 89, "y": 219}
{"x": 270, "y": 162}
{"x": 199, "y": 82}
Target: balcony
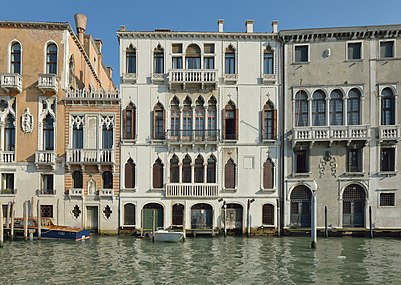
{"x": 11, "y": 82}
{"x": 106, "y": 192}
{"x": 202, "y": 77}
{"x": 75, "y": 192}
{"x": 91, "y": 156}
{"x": 83, "y": 96}
{"x": 331, "y": 134}
{"x": 230, "y": 78}
{"x": 128, "y": 78}
{"x": 389, "y": 133}
{"x": 7, "y": 156}
{"x": 8, "y": 192}
{"x": 269, "y": 78}
{"x": 48, "y": 84}
{"x": 192, "y": 136}
{"x": 45, "y": 158}
{"x": 191, "y": 190}
{"x": 158, "y": 78}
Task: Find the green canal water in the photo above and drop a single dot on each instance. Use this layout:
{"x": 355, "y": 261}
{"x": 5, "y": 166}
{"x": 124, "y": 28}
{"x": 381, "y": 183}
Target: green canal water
{"x": 231, "y": 260}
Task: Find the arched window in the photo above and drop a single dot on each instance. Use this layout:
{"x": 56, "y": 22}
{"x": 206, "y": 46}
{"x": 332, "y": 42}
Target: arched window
{"x": 129, "y": 171}
{"x": 193, "y": 57}
{"x": 187, "y": 119}
{"x": 77, "y": 179}
{"x": 212, "y": 119}
{"x": 319, "y": 108}
{"x": 129, "y": 214}
{"x": 174, "y": 170}
{"x": 77, "y": 136}
{"x": 175, "y": 119}
{"x": 158, "y": 174}
{"x": 268, "y": 214}
{"x": 268, "y": 61}
{"x": 130, "y": 59}
{"x": 129, "y": 122}
{"x": 107, "y": 138}
{"x": 388, "y": 107}
{"x": 48, "y": 133}
{"x": 229, "y": 174}
{"x": 354, "y": 206}
{"x": 199, "y": 120}
{"x": 269, "y": 122}
{"x": 268, "y": 174}
{"x": 158, "y": 122}
{"x": 186, "y": 169}
{"x": 199, "y": 172}
{"x": 9, "y": 133}
{"x": 230, "y": 122}
{"x": 301, "y": 109}
{"x": 336, "y": 108}
{"x": 107, "y": 180}
{"x": 300, "y": 210}
{"x": 16, "y": 58}
{"x": 51, "y": 59}
{"x": 158, "y": 60}
{"x": 230, "y": 60}
{"x": 211, "y": 170}
{"x": 354, "y": 107}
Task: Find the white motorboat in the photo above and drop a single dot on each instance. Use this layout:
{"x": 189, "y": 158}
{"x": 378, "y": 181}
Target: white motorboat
{"x": 163, "y": 235}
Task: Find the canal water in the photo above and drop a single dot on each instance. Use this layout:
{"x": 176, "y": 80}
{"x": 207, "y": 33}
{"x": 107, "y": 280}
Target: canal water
{"x": 231, "y": 260}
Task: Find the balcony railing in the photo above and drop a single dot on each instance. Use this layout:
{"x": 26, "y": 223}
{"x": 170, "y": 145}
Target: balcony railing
{"x": 230, "y": 78}
{"x": 106, "y": 192}
{"x": 269, "y": 78}
{"x": 158, "y": 78}
{"x": 198, "y": 190}
{"x": 46, "y": 192}
{"x": 129, "y": 78}
{"x": 390, "y": 133}
{"x": 192, "y": 136}
{"x": 186, "y": 76}
{"x": 8, "y": 191}
{"x": 7, "y": 156}
{"x": 77, "y": 192}
{"x": 11, "y": 82}
{"x": 92, "y": 95}
{"x": 45, "y": 157}
{"x": 90, "y": 156}
{"x": 48, "y": 83}
{"x": 331, "y": 133}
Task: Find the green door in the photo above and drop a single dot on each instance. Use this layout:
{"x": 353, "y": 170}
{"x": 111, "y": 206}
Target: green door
{"x": 148, "y": 218}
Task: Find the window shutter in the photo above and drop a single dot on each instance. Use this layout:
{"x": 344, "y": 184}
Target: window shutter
{"x": 156, "y": 176}
{"x": 134, "y": 123}
{"x": 128, "y": 176}
{"x": 224, "y": 123}
{"x": 229, "y": 177}
{"x": 125, "y": 124}
{"x": 154, "y": 124}
{"x": 262, "y": 131}
{"x": 275, "y": 124}
{"x": 164, "y": 124}
{"x": 267, "y": 175}
{"x": 236, "y": 123}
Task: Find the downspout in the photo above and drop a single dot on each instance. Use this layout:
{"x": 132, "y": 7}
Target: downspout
{"x": 281, "y": 137}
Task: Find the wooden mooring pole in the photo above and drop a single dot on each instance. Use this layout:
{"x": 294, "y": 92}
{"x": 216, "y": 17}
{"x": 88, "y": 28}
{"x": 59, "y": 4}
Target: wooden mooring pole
{"x": 12, "y": 221}
{"x": 8, "y": 215}
{"x": 39, "y": 216}
{"x": 313, "y": 220}
{"x": 370, "y": 222}
{"x": 153, "y": 225}
{"x": 326, "y": 230}
{"x": 26, "y": 220}
{"x": 1, "y": 226}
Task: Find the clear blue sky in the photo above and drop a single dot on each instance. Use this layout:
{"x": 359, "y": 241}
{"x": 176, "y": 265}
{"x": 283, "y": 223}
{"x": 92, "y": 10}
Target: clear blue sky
{"x": 106, "y": 16}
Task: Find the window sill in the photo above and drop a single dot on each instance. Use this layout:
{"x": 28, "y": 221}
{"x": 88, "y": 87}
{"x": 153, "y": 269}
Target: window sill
{"x": 269, "y": 140}
{"x": 355, "y": 174}
{"x": 387, "y": 58}
{"x": 126, "y": 190}
{"x": 301, "y": 175}
{"x": 388, "y": 173}
{"x": 268, "y": 189}
{"x": 354, "y": 60}
{"x": 300, "y": 62}
{"x": 230, "y": 190}
{"x": 157, "y": 190}
{"x": 128, "y": 141}
{"x": 387, "y": 207}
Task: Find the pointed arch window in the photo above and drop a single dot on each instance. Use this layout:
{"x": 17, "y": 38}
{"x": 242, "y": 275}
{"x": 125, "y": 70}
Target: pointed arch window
{"x": 158, "y": 122}
{"x": 268, "y": 61}
{"x": 130, "y": 59}
{"x": 174, "y": 170}
{"x": 212, "y": 119}
{"x": 187, "y": 118}
{"x": 301, "y": 109}
{"x": 129, "y": 171}
{"x": 107, "y": 137}
{"x": 230, "y": 122}
{"x": 211, "y": 170}
{"x": 388, "y": 107}
{"x": 193, "y": 57}
{"x": 16, "y": 58}
{"x": 130, "y": 122}
{"x": 158, "y": 174}
{"x": 48, "y": 133}
{"x": 199, "y": 119}
{"x": 51, "y": 59}
{"x": 268, "y": 174}
{"x": 9, "y": 133}
{"x": 175, "y": 119}
{"x": 199, "y": 171}
{"x": 230, "y": 60}
{"x": 229, "y": 174}
{"x": 158, "y": 60}
{"x": 186, "y": 170}
{"x": 336, "y": 108}
{"x": 354, "y": 107}
{"x": 319, "y": 108}
{"x": 269, "y": 122}
{"x": 77, "y": 136}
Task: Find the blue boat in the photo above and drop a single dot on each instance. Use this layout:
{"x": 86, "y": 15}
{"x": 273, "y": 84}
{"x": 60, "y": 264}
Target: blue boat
{"x": 49, "y": 230}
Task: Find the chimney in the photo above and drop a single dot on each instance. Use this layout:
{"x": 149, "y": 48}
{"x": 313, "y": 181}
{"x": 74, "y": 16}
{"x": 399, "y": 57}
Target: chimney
{"x": 99, "y": 45}
{"x": 80, "y": 23}
{"x": 110, "y": 71}
{"x": 249, "y": 26}
{"x": 275, "y": 26}
{"x": 123, "y": 28}
{"x": 220, "y": 22}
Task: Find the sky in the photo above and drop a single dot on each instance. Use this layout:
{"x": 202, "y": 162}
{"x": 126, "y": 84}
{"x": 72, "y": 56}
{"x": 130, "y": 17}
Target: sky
{"x": 106, "y": 16}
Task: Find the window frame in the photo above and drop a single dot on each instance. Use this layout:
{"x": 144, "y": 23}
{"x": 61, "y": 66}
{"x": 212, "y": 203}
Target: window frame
{"x": 393, "y": 198}
{"x": 268, "y": 61}
{"x": 130, "y": 55}
{"x": 390, "y": 160}
{"x": 305, "y": 165}
{"x": 294, "y": 59}
{"x": 358, "y": 150}
{"x": 51, "y": 64}
{"x": 130, "y": 109}
{"x": 12, "y": 62}
{"x": 348, "y": 54}
{"x": 393, "y": 41}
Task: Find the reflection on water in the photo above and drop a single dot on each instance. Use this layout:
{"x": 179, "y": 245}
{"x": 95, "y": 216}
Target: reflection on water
{"x": 262, "y": 260}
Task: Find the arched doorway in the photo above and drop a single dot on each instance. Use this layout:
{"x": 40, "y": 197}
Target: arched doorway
{"x": 354, "y": 206}
{"x": 147, "y": 216}
{"x": 234, "y": 217}
{"x": 300, "y": 206}
{"x": 201, "y": 216}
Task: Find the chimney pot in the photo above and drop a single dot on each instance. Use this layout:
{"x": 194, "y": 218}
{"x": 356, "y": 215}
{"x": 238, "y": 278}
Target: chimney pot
{"x": 249, "y": 26}
{"x": 275, "y": 26}
{"x": 80, "y": 23}
{"x": 220, "y": 22}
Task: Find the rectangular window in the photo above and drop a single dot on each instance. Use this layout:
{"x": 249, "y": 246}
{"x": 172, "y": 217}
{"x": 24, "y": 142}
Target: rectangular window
{"x": 268, "y": 126}
{"x": 354, "y": 50}
{"x": 46, "y": 211}
{"x": 158, "y": 62}
{"x": 209, "y": 62}
{"x": 177, "y": 62}
{"x": 387, "y": 199}
{"x": 8, "y": 183}
{"x": 301, "y": 53}
{"x": 107, "y": 137}
{"x": 159, "y": 125}
{"x": 209, "y": 48}
{"x": 354, "y": 160}
{"x": 301, "y": 161}
{"x": 230, "y": 63}
{"x": 387, "y": 159}
{"x": 47, "y": 184}
{"x": 128, "y": 124}
{"x": 268, "y": 67}
{"x": 78, "y": 137}
{"x": 386, "y": 49}
{"x": 177, "y": 48}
